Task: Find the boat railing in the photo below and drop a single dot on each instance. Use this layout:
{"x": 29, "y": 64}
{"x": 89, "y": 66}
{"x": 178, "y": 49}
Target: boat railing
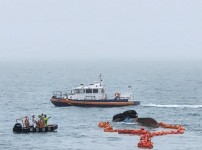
{"x": 126, "y": 95}
{"x": 59, "y": 94}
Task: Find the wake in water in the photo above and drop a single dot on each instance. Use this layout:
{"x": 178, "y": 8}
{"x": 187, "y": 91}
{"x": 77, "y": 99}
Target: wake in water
{"x": 172, "y": 106}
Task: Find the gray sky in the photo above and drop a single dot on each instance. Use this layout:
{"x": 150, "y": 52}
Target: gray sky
{"x": 105, "y": 29}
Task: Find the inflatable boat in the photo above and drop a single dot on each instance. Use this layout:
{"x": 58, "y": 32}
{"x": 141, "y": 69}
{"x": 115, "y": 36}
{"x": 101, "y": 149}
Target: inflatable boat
{"x": 19, "y": 129}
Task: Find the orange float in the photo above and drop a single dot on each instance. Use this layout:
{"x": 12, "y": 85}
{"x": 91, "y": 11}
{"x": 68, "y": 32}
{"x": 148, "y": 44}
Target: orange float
{"x": 145, "y": 136}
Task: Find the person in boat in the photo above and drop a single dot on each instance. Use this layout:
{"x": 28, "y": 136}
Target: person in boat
{"x": 41, "y": 116}
{"x": 40, "y": 122}
{"x": 46, "y": 120}
{"x": 34, "y": 121}
{"x": 117, "y": 96}
{"x": 26, "y": 122}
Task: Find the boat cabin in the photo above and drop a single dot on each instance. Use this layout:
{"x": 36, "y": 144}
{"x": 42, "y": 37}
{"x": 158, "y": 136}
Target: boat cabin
{"x": 94, "y": 91}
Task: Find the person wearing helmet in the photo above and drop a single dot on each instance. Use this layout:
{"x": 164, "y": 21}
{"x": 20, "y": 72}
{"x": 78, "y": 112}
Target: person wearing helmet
{"x": 46, "y": 119}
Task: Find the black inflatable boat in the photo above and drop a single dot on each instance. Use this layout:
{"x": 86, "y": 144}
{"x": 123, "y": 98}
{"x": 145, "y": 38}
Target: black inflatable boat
{"x": 19, "y": 129}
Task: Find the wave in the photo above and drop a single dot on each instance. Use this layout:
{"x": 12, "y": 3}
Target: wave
{"x": 172, "y": 106}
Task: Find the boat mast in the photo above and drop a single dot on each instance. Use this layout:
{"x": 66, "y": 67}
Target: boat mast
{"x": 100, "y": 79}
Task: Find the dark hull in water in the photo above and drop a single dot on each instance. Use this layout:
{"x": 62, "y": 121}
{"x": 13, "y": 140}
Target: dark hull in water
{"x": 61, "y": 102}
{"x": 131, "y": 116}
{"x": 19, "y": 129}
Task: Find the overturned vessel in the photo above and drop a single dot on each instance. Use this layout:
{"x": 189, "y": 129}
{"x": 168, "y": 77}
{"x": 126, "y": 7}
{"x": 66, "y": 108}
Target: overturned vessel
{"x": 93, "y": 95}
{"x": 131, "y": 116}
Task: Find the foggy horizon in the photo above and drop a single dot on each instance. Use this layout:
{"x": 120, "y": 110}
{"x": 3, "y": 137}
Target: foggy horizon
{"x": 129, "y": 30}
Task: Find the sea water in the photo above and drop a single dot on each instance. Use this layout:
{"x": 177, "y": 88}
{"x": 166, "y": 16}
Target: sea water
{"x": 169, "y": 92}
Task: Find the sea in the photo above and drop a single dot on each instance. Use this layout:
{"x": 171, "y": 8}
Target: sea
{"x": 168, "y": 91}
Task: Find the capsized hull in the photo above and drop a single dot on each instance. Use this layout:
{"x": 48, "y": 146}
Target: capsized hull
{"x": 62, "y": 102}
{"x": 19, "y": 129}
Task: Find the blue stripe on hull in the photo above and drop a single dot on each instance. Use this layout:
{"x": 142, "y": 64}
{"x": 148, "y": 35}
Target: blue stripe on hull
{"x": 80, "y": 105}
{"x": 107, "y": 100}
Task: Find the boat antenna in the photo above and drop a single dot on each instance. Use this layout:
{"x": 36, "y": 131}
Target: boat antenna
{"x": 100, "y": 78}
{"x": 131, "y": 91}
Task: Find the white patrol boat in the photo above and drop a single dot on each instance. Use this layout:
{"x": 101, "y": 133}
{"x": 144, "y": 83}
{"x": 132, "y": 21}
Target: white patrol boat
{"x": 92, "y": 95}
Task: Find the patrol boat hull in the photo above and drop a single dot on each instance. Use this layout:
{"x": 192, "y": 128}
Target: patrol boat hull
{"x": 62, "y": 102}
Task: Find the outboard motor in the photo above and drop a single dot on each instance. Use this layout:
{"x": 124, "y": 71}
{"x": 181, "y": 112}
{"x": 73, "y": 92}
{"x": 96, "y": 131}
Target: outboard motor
{"x": 17, "y": 127}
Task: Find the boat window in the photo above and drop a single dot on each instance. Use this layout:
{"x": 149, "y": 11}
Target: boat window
{"x": 82, "y": 91}
{"x": 95, "y": 90}
{"x": 76, "y": 91}
{"x": 88, "y": 90}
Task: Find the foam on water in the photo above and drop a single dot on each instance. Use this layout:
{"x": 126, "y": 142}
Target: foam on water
{"x": 172, "y": 106}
